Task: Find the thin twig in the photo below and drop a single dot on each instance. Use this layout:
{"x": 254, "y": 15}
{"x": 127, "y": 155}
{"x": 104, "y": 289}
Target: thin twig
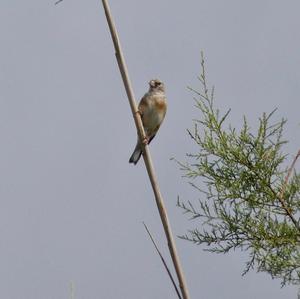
{"x": 146, "y": 153}
{"x": 163, "y": 261}
{"x": 57, "y": 2}
{"x": 72, "y": 286}
{"x": 281, "y": 195}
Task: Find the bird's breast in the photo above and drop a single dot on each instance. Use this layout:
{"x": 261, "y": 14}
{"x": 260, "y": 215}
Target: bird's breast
{"x": 155, "y": 112}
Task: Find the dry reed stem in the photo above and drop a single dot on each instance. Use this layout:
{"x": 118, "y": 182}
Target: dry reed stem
{"x": 146, "y": 153}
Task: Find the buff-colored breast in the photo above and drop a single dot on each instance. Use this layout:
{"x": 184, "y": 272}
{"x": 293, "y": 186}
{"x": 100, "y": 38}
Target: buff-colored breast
{"x": 153, "y": 109}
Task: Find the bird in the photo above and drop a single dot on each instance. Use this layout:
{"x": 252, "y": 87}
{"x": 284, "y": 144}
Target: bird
{"x": 152, "y": 108}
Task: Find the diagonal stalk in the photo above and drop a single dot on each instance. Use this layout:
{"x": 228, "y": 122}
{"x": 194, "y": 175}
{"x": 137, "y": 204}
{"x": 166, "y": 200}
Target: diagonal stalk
{"x": 146, "y": 153}
{"x": 163, "y": 261}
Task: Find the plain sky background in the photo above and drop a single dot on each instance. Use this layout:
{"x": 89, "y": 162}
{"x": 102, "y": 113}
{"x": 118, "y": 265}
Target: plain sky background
{"x": 71, "y": 207}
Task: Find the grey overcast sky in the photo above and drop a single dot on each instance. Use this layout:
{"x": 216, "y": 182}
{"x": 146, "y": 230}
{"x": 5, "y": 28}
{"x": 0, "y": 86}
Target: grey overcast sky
{"x": 71, "y": 207}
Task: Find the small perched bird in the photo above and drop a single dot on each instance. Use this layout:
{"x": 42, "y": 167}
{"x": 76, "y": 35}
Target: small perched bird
{"x": 152, "y": 108}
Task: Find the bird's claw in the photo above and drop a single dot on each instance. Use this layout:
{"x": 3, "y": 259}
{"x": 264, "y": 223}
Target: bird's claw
{"x": 145, "y": 141}
{"x": 138, "y": 112}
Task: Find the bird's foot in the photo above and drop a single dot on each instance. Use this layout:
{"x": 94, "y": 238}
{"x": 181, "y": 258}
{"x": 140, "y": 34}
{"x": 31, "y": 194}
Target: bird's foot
{"x": 145, "y": 141}
{"x": 138, "y": 112}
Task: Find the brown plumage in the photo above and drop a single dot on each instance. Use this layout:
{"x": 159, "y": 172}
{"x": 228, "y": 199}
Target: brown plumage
{"x": 152, "y": 107}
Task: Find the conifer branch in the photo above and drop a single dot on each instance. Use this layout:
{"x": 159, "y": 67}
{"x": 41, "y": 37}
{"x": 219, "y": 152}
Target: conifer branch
{"x": 281, "y": 195}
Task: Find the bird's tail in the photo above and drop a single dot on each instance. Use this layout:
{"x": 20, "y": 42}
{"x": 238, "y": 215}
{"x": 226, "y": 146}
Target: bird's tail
{"x": 136, "y": 154}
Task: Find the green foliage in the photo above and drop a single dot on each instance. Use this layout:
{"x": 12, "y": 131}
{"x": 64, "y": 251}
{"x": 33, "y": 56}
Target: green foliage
{"x": 247, "y": 202}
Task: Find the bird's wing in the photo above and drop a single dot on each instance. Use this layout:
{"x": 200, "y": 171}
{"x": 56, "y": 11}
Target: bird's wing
{"x": 143, "y": 105}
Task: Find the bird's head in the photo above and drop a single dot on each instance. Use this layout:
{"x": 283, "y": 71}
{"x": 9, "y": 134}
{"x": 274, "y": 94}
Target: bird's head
{"x": 156, "y": 85}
